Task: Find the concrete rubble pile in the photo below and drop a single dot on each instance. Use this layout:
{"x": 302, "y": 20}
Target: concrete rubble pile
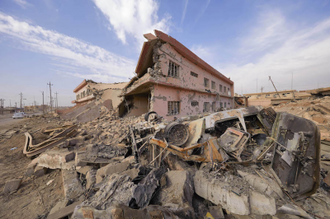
{"x": 243, "y": 163}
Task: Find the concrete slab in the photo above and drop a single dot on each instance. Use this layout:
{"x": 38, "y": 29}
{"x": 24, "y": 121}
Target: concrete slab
{"x": 71, "y": 185}
{"x": 178, "y": 189}
{"x": 261, "y": 204}
{"x": 218, "y": 193}
{"x": 57, "y": 159}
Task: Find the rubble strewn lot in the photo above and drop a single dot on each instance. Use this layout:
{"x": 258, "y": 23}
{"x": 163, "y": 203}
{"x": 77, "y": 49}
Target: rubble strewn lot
{"x": 244, "y": 163}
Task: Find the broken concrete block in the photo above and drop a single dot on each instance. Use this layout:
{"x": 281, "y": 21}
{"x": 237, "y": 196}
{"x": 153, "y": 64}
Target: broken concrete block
{"x": 261, "y": 204}
{"x": 216, "y": 212}
{"x": 12, "y": 185}
{"x": 219, "y": 193}
{"x": 76, "y": 140}
{"x": 59, "y": 205}
{"x": 84, "y": 170}
{"x": 293, "y": 210}
{"x": 132, "y": 173}
{"x": 79, "y": 159}
{"x": 30, "y": 168}
{"x": 64, "y": 212}
{"x": 40, "y": 171}
{"x": 90, "y": 178}
{"x": 71, "y": 184}
{"x": 57, "y": 159}
{"x": 117, "y": 189}
{"x": 265, "y": 185}
{"x": 111, "y": 168}
{"x": 178, "y": 189}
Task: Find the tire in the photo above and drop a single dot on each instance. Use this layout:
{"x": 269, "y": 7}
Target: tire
{"x": 147, "y": 115}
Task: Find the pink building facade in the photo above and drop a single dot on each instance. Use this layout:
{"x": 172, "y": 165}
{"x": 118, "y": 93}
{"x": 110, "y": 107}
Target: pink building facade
{"x": 174, "y": 82}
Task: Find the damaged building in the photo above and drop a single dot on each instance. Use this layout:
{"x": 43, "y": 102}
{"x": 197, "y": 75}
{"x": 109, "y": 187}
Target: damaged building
{"x": 89, "y": 90}
{"x": 174, "y": 82}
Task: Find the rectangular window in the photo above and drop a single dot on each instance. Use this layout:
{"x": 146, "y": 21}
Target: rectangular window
{"x": 173, "y": 69}
{"x": 224, "y": 89}
{"x": 213, "y": 85}
{"x": 194, "y": 103}
{"x": 194, "y": 74}
{"x": 220, "y": 88}
{"x": 228, "y": 91}
{"x": 225, "y": 104}
{"x": 173, "y": 107}
{"x": 220, "y": 104}
{"x": 206, "y": 107}
{"x": 206, "y": 82}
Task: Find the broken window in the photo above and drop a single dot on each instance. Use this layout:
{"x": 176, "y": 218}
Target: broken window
{"x": 220, "y": 104}
{"x": 173, "y": 69}
{"x": 194, "y": 103}
{"x": 206, "y": 107}
{"x": 228, "y": 91}
{"x": 194, "y": 74}
{"x": 206, "y": 82}
{"x": 213, "y": 85}
{"x": 224, "y": 89}
{"x": 225, "y": 104}
{"x": 173, "y": 107}
{"x": 213, "y": 106}
{"x": 220, "y": 88}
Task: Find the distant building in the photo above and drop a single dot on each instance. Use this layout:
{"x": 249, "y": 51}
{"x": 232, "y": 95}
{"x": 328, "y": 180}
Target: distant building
{"x": 274, "y": 98}
{"x": 89, "y": 90}
{"x": 174, "y": 82}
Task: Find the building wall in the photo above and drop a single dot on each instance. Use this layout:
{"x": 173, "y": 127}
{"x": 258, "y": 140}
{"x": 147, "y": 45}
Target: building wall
{"x": 185, "y": 79}
{"x": 161, "y": 96}
{"x": 188, "y": 89}
{"x": 81, "y": 92}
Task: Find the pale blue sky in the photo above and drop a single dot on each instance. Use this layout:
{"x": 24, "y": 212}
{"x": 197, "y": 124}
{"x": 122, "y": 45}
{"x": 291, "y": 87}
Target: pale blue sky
{"x": 247, "y": 40}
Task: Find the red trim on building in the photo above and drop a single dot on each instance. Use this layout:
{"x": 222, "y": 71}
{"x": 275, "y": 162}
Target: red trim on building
{"x": 81, "y": 85}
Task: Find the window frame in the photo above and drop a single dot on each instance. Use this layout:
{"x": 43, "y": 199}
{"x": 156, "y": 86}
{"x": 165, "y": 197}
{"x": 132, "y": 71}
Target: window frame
{"x": 171, "y": 107}
{"x": 173, "y": 69}
{"x": 206, "y": 82}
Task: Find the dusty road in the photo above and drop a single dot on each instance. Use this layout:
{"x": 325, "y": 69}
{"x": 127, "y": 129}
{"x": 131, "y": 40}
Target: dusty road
{"x": 6, "y": 121}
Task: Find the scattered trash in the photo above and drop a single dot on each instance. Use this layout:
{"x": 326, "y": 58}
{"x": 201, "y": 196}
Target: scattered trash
{"x": 13, "y": 148}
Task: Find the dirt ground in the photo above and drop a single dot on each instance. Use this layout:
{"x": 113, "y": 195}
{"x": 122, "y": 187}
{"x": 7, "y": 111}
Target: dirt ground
{"x": 34, "y": 198}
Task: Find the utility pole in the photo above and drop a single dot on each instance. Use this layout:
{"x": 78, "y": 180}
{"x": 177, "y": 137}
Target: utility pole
{"x": 50, "y": 95}
{"x": 43, "y": 103}
{"x": 2, "y": 105}
{"x": 21, "y": 99}
{"x": 292, "y": 81}
{"x": 274, "y": 87}
{"x": 56, "y": 101}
